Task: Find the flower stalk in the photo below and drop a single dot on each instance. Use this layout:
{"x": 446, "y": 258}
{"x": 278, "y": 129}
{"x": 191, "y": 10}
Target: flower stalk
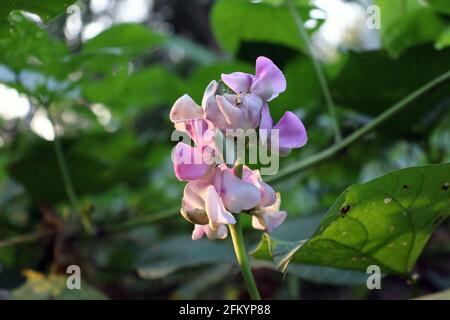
{"x": 242, "y": 258}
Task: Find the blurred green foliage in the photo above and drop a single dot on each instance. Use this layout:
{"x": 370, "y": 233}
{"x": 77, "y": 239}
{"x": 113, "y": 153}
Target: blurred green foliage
{"x": 108, "y": 98}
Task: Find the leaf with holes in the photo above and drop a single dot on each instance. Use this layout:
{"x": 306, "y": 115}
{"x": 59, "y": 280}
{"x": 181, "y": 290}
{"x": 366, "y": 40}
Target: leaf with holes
{"x": 385, "y": 222}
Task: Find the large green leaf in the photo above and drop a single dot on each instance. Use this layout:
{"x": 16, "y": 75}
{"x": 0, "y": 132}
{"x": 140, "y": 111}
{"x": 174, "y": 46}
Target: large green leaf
{"x": 235, "y": 21}
{"x": 384, "y": 222}
{"x": 303, "y": 228}
{"x": 130, "y": 38}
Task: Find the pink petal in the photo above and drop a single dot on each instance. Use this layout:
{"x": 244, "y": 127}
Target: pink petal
{"x": 214, "y": 114}
{"x": 253, "y": 104}
{"x": 201, "y": 131}
{"x": 238, "y": 195}
{"x": 269, "y": 80}
{"x": 268, "y": 195}
{"x": 201, "y": 230}
{"x": 232, "y": 114}
{"x": 191, "y": 198}
{"x": 292, "y": 132}
{"x": 239, "y": 82}
{"x": 269, "y": 221}
{"x": 266, "y": 124}
{"x": 188, "y": 162}
{"x": 266, "y": 119}
{"x": 209, "y": 93}
{"x": 215, "y": 209}
{"x": 185, "y": 109}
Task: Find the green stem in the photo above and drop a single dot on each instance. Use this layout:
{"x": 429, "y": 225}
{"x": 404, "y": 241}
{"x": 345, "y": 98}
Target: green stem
{"x": 67, "y": 180}
{"x": 242, "y": 258}
{"x": 65, "y": 173}
{"x": 318, "y": 69}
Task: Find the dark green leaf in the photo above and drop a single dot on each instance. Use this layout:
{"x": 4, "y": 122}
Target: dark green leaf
{"x": 384, "y": 222}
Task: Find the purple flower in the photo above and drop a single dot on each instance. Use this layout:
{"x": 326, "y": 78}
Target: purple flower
{"x": 214, "y": 194}
{"x": 243, "y": 108}
{"x": 268, "y": 81}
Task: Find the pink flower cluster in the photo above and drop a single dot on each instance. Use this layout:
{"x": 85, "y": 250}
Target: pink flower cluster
{"x": 215, "y": 192}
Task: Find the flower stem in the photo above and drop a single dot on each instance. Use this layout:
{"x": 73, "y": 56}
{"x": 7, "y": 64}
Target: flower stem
{"x": 242, "y": 258}
{"x": 318, "y": 69}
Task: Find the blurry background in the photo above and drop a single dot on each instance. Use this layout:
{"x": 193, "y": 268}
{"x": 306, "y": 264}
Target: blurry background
{"x": 101, "y": 78}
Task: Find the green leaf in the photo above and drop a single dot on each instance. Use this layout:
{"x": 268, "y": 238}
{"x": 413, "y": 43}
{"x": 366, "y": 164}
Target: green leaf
{"x": 327, "y": 275}
{"x": 406, "y": 24}
{"x": 47, "y": 9}
{"x": 384, "y": 222}
{"x": 303, "y": 228}
{"x": 126, "y": 38}
{"x": 235, "y": 21}
{"x": 440, "y": 5}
